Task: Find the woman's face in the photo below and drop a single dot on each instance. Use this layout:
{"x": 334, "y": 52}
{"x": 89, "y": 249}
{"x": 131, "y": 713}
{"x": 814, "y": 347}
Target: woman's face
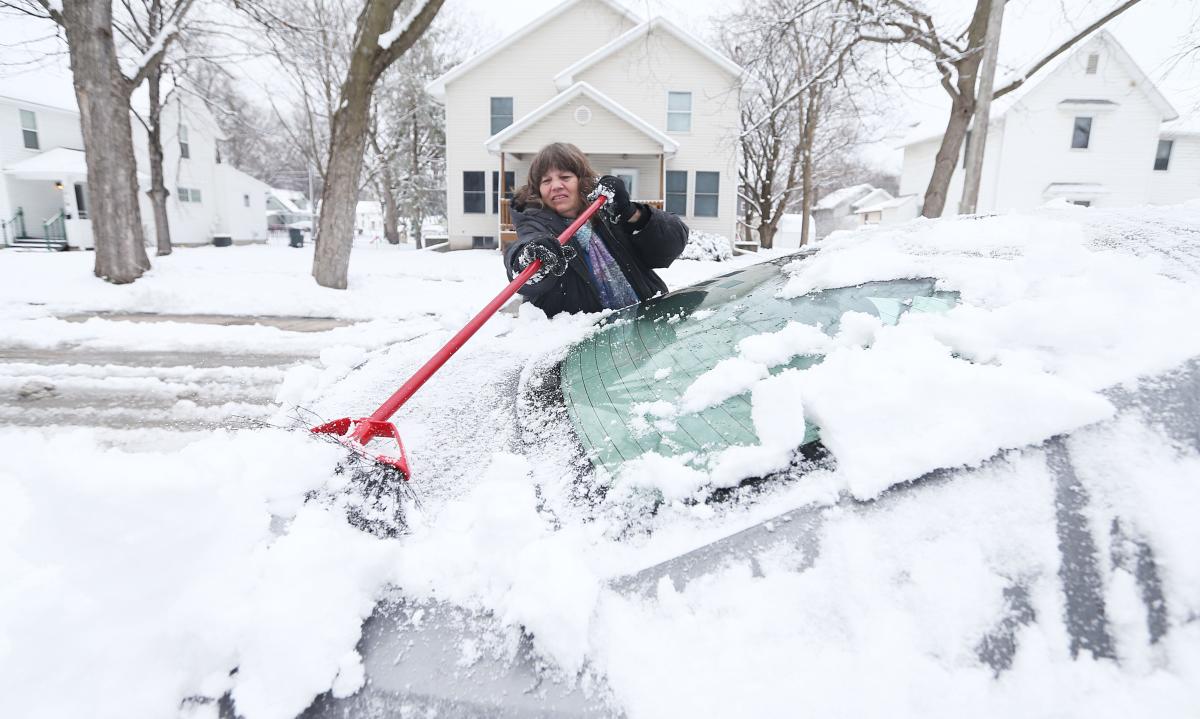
{"x": 560, "y": 191}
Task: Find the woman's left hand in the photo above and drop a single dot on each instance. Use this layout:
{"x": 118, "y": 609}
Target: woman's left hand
{"x": 621, "y": 206}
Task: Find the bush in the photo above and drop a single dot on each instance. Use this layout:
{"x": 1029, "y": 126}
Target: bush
{"x": 707, "y": 246}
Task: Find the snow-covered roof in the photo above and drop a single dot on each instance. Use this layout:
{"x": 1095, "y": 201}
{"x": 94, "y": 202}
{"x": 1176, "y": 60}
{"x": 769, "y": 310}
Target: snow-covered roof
{"x": 1059, "y": 189}
{"x": 567, "y": 76}
{"x": 288, "y": 198}
{"x": 60, "y": 163}
{"x": 931, "y": 129}
{"x": 862, "y": 209}
{"x": 45, "y": 87}
{"x": 437, "y": 88}
{"x": 873, "y": 197}
{"x": 496, "y": 142}
{"x": 846, "y": 194}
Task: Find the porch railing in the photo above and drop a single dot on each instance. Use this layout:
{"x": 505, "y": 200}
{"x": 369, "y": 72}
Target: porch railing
{"x": 55, "y": 231}
{"x": 15, "y": 228}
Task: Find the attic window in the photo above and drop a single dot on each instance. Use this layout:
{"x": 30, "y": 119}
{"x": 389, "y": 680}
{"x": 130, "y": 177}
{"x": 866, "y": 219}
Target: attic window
{"x": 502, "y": 113}
{"x": 184, "y": 150}
{"x": 679, "y": 112}
{"x": 1093, "y": 63}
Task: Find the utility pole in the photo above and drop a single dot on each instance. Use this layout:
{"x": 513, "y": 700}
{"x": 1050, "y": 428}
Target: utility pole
{"x": 983, "y": 107}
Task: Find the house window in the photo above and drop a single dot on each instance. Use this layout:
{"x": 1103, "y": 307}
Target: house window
{"x": 1093, "y": 63}
{"x": 29, "y": 130}
{"x": 483, "y": 242}
{"x": 510, "y": 178}
{"x": 246, "y": 200}
{"x": 676, "y": 199}
{"x": 195, "y": 195}
{"x": 1081, "y": 136}
{"x": 679, "y": 112}
{"x": 184, "y": 151}
{"x": 1081, "y": 203}
{"x": 474, "y": 193}
{"x": 502, "y": 113}
{"x": 183, "y": 193}
{"x": 707, "y": 186}
{"x": 1162, "y": 156}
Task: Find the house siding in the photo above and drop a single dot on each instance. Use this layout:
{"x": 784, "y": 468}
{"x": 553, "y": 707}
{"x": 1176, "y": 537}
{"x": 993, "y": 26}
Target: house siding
{"x": 640, "y": 75}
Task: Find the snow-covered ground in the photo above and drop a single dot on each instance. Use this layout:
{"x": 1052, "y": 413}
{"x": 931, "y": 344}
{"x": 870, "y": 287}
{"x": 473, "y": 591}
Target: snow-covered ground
{"x": 136, "y": 581}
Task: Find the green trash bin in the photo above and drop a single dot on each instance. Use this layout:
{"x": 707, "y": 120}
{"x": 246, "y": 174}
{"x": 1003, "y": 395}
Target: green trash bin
{"x": 295, "y": 237}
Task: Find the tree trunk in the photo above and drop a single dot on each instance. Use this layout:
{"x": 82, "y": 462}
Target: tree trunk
{"x": 962, "y": 107}
{"x": 391, "y": 213}
{"x": 103, "y": 96}
{"x": 983, "y": 107}
{"x": 348, "y": 132}
{"x": 766, "y": 235}
{"x": 418, "y": 215}
{"x": 158, "y": 188}
{"x": 806, "y": 163}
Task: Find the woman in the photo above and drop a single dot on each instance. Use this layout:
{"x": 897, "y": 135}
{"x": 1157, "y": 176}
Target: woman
{"x": 608, "y": 263}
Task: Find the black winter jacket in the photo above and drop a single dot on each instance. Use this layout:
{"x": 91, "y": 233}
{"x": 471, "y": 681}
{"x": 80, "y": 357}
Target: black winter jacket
{"x": 655, "y": 240}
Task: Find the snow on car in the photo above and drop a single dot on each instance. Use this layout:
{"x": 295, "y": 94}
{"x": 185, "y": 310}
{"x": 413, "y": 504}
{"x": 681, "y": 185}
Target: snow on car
{"x": 943, "y": 469}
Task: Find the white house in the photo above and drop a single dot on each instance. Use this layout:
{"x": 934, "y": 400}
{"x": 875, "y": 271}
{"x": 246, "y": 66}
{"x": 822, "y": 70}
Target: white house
{"x": 1090, "y": 128}
{"x": 368, "y": 219}
{"x": 43, "y": 172}
{"x": 643, "y": 99}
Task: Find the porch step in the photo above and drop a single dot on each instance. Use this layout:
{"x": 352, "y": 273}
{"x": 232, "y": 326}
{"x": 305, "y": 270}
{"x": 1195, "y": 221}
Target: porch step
{"x": 34, "y": 243}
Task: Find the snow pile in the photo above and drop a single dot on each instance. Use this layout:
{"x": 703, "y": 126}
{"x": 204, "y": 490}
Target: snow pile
{"x": 135, "y": 580}
{"x": 707, "y": 246}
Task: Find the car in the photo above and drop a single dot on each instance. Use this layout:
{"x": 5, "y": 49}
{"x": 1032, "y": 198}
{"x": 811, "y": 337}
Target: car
{"x": 1064, "y": 536}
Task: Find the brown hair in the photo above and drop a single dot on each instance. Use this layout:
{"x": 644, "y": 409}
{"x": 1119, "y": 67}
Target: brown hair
{"x": 556, "y": 156}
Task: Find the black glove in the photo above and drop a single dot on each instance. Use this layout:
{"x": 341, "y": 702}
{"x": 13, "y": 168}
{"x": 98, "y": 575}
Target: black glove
{"x": 554, "y": 257}
{"x": 618, "y": 204}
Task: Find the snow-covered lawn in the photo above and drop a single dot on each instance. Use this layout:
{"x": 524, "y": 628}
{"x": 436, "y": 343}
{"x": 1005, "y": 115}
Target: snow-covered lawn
{"x": 135, "y": 582}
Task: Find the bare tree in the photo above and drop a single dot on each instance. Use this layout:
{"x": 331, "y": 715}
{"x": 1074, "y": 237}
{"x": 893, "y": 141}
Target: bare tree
{"x": 407, "y": 137}
{"x": 798, "y": 111}
{"x": 377, "y": 44}
{"x": 957, "y": 60}
{"x": 140, "y": 25}
{"x": 102, "y": 91}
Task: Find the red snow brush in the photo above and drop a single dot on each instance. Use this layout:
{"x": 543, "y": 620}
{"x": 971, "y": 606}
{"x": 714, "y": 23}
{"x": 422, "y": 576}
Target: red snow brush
{"x": 357, "y": 433}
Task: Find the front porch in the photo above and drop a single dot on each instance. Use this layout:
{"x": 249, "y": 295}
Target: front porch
{"x": 47, "y": 199}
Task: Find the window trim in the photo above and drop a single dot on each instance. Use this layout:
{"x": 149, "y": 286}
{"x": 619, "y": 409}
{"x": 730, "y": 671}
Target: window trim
{"x": 26, "y": 132}
{"x": 1166, "y": 160}
{"x": 697, "y": 194}
{"x": 1087, "y": 140}
{"x": 681, "y": 196}
{"x": 512, "y": 112}
{"x": 481, "y": 192}
{"x": 680, "y": 113}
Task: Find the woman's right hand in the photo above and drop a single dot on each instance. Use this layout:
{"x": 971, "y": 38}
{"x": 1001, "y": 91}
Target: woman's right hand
{"x": 555, "y": 257}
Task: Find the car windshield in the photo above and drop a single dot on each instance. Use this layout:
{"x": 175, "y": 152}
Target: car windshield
{"x": 651, "y": 353}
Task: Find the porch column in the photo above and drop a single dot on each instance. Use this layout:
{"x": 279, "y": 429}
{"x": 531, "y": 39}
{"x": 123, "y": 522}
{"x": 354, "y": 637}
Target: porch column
{"x": 662, "y": 178}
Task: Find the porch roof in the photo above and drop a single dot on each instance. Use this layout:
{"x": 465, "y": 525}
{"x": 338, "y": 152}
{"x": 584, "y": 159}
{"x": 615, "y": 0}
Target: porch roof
{"x": 644, "y": 131}
{"x": 60, "y": 163}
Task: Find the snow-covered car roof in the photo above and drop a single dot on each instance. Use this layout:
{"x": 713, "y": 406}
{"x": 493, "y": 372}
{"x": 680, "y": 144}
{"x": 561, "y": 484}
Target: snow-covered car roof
{"x": 1002, "y": 525}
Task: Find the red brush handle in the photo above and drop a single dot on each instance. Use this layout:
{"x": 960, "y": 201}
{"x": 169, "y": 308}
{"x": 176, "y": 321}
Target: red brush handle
{"x": 363, "y": 432}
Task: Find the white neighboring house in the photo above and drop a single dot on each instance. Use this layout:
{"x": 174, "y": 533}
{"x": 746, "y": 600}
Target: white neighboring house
{"x": 835, "y": 211}
{"x": 43, "y": 172}
{"x": 1089, "y": 128}
{"x": 287, "y": 207}
{"x": 368, "y": 219}
{"x": 791, "y": 225}
{"x": 645, "y": 101}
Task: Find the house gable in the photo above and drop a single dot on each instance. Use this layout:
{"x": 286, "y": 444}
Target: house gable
{"x": 661, "y": 25}
{"x": 437, "y": 88}
{"x": 601, "y": 124}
